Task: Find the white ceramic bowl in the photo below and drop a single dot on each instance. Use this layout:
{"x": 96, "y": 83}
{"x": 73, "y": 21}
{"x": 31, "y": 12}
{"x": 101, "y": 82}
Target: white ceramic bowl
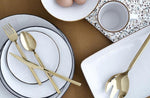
{"x": 73, "y": 13}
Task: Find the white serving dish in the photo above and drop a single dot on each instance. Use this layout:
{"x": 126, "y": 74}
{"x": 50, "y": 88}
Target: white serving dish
{"x": 114, "y": 59}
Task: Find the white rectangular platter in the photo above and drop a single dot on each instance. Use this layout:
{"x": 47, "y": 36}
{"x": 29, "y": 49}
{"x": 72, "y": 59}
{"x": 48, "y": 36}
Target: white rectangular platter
{"x": 116, "y": 58}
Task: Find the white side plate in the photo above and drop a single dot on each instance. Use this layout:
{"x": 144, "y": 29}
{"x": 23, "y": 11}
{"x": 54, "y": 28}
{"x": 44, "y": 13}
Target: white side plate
{"x": 46, "y": 48}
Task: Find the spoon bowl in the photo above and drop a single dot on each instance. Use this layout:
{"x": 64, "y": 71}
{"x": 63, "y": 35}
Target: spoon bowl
{"x": 28, "y": 41}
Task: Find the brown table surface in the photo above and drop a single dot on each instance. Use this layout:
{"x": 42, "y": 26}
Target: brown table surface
{"x": 84, "y": 38}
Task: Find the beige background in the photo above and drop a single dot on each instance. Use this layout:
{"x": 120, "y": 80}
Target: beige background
{"x": 84, "y": 38}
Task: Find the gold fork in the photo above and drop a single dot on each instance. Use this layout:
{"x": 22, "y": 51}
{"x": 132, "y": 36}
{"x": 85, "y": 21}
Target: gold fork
{"x": 12, "y": 35}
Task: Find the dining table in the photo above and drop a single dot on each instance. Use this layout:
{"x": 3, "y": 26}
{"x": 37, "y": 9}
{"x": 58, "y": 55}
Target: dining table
{"x": 84, "y": 38}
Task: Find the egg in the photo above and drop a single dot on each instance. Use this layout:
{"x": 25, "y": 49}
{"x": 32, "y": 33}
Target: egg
{"x": 65, "y": 3}
{"x": 80, "y": 1}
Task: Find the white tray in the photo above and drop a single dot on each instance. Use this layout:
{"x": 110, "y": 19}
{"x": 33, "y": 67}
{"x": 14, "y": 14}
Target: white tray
{"x": 114, "y": 59}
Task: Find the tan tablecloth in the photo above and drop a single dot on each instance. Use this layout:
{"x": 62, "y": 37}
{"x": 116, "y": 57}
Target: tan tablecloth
{"x": 84, "y": 38}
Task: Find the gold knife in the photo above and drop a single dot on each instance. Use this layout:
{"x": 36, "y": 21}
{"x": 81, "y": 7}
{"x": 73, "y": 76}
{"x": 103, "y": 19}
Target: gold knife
{"x": 35, "y": 66}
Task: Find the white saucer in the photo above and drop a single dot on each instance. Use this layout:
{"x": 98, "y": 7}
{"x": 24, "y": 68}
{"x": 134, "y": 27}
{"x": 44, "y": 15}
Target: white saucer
{"x": 116, "y": 58}
{"x": 46, "y": 89}
{"x": 19, "y": 22}
{"x": 73, "y": 13}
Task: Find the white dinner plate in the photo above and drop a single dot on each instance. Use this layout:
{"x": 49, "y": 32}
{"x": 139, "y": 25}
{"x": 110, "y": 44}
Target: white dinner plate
{"x": 46, "y": 89}
{"x": 116, "y": 58}
{"x": 23, "y": 21}
{"x": 73, "y": 13}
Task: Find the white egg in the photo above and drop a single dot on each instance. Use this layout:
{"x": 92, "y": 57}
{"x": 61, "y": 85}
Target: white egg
{"x": 65, "y": 3}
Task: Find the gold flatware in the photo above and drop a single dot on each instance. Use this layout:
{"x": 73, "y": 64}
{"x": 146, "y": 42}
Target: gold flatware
{"x": 12, "y": 35}
{"x": 29, "y": 44}
{"x": 121, "y": 81}
{"x": 35, "y": 66}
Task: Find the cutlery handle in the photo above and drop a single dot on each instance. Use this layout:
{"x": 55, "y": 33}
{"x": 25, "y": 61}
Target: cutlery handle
{"x": 58, "y": 75}
{"x": 53, "y": 83}
{"x": 139, "y": 52}
{"x": 20, "y": 50}
{"x": 64, "y": 78}
{"x": 49, "y": 77}
{"x": 35, "y": 76}
{"x": 31, "y": 69}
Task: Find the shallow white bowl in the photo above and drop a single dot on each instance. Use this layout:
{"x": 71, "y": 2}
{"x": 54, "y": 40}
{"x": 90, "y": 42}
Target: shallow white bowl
{"x": 73, "y": 13}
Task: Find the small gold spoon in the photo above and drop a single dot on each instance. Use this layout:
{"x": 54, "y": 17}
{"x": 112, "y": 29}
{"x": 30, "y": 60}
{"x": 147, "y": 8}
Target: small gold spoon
{"x": 121, "y": 81}
{"x": 29, "y": 44}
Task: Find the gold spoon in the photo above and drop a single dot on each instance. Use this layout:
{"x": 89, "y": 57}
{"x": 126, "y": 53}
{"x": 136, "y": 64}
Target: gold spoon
{"x": 29, "y": 44}
{"x": 121, "y": 81}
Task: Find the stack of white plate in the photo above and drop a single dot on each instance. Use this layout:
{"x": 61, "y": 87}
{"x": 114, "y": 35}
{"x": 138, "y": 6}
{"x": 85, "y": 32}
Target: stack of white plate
{"x": 54, "y": 50}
